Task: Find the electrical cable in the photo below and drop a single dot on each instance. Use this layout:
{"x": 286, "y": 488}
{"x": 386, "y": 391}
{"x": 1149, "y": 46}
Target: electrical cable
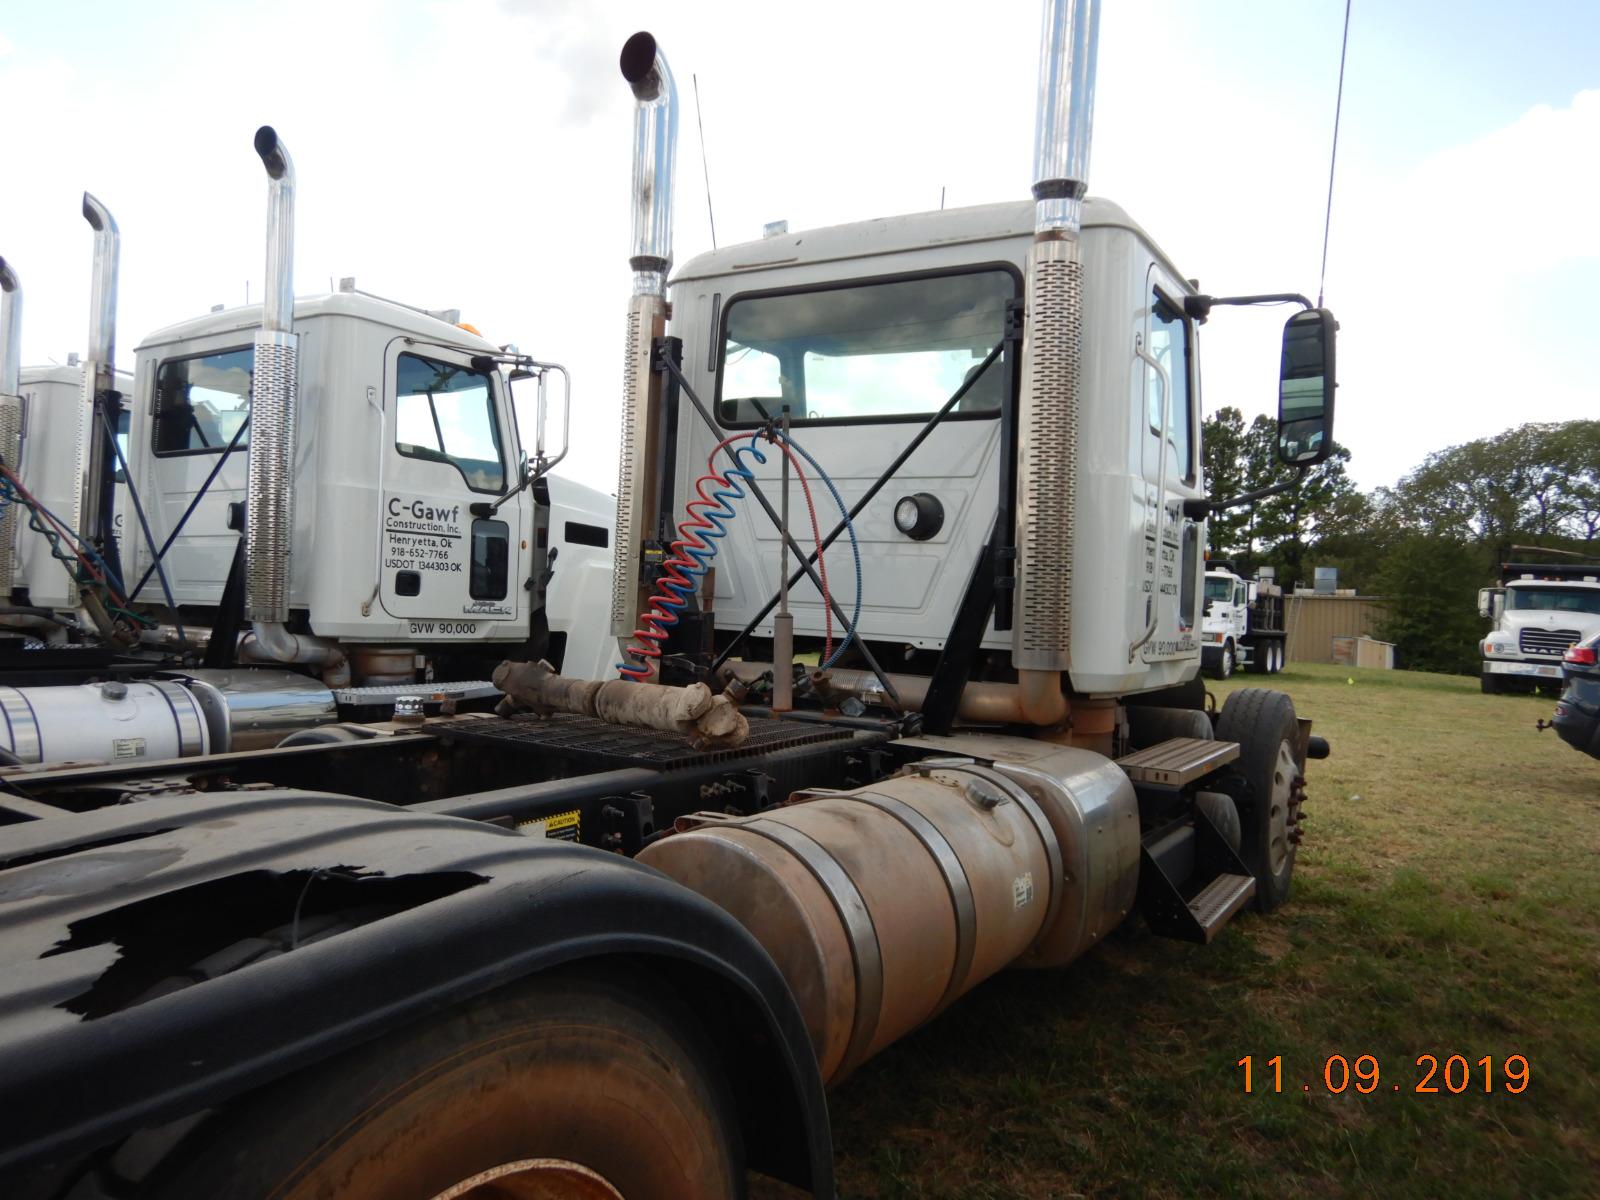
{"x": 706, "y": 518}
{"x": 698, "y": 536}
{"x": 103, "y": 575}
{"x": 816, "y": 537}
{"x": 855, "y": 550}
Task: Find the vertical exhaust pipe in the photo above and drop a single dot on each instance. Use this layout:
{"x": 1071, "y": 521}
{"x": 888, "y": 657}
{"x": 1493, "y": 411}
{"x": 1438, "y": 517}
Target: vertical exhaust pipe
{"x": 10, "y": 414}
{"x": 101, "y": 404}
{"x": 269, "y": 496}
{"x": 269, "y": 491}
{"x": 1052, "y": 356}
{"x": 655, "y": 140}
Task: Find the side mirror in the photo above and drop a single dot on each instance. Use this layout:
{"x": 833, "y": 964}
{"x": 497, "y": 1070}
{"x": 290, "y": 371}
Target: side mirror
{"x": 1306, "y": 384}
{"x": 1483, "y": 601}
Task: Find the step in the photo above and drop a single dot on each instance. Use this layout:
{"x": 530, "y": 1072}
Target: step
{"x": 1220, "y": 899}
{"x": 387, "y": 693}
{"x": 1178, "y": 761}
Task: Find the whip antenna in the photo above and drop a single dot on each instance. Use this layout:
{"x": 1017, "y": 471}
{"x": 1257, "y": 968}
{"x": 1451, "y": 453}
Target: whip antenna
{"x": 704, "y": 168}
{"x": 1338, "y": 106}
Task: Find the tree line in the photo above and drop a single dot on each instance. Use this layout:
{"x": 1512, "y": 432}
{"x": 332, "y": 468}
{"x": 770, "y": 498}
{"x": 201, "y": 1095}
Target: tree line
{"x": 1428, "y": 543}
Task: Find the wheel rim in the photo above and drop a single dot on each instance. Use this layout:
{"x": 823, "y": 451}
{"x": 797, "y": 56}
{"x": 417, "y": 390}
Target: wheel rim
{"x": 1284, "y": 771}
{"x": 534, "y": 1179}
{"x": 1227, "y": 660}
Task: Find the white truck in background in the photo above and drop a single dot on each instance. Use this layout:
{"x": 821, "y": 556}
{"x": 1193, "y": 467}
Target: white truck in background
{"x": 1539, "y": 612}
{"x": 1243, "y": 625}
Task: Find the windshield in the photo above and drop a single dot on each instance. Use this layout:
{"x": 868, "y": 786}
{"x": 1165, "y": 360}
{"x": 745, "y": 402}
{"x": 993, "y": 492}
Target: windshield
{"x": 1549, "y": 599}
{"x": 866, "y": 352}
{"x": 1218, "y": 590}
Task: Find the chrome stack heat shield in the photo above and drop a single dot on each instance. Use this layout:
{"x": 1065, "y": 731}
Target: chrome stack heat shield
{"x": 655, "y": 139}
{"x": 99, "y": 378}
{"x": 1052, "y": 346}
{"x": 269, "y": 498}
{"x": 10, "y": 414}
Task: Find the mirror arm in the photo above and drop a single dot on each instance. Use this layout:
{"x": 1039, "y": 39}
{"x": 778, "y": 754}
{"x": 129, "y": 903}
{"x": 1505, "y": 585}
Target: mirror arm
{"x": 1192, "y": 507}
{"x": 1199, "y": 307}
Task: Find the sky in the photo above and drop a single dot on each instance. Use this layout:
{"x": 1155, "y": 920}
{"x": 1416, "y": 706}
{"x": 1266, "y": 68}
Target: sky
{"x": 476, "y": 154}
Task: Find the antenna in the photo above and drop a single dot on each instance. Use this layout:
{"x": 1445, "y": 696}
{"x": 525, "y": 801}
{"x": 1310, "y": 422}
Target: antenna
{"x": 1333, "y": 158}
{"x": 704, "y": 167}
{"x": 941, "y": 198}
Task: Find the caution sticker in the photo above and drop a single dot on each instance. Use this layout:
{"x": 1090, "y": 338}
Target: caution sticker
{"x": 561, "y": 826}
{"x": 1022, "y": 889}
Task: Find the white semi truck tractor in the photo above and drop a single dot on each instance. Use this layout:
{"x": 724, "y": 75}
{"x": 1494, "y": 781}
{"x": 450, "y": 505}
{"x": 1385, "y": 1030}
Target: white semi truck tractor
{"x": 617, "y": 938}
{"x": 1538, "y": 613}
{"x": 309, "y": 509}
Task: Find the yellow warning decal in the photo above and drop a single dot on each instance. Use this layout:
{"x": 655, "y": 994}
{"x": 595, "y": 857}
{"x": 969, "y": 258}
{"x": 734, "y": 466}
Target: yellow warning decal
{"x": 562, "y": 826}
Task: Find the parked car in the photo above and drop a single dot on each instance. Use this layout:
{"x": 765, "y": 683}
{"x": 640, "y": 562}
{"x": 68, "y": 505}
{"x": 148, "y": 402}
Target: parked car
{"x": 1577, "y": 717}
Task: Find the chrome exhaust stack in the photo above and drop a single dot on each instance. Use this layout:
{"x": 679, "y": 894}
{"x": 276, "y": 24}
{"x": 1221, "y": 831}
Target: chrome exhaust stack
{"x": 10, "y": 414}
{"x": 96, "y": 493}
{"x": 269, "y": 497}
{"x": 1052, "y": 355}
{"x": 269, "y": 494}
{"x": 655, "y": 140}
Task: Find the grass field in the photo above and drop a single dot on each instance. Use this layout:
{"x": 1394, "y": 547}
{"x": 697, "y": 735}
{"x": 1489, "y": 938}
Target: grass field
{"x": 1447, "y": 901}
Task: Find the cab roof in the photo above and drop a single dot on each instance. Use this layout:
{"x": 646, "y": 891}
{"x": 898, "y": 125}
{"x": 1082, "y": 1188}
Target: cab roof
{"x": 900, "y": 235}
{"x": 346, "y": 304}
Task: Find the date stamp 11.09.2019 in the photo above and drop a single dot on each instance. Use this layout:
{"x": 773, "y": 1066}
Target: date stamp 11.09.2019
{"x": 1364, "y": 1074}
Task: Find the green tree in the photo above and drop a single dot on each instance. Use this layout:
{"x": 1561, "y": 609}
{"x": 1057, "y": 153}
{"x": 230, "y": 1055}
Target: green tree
{"x": 1431, "y": 584}
{"x": 1222, "y": 442}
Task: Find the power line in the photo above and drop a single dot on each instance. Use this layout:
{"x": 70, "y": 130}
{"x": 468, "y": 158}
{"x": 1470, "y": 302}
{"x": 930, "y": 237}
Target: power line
{"x": 1333, "y": 158}
{"x": 704, "y": 166}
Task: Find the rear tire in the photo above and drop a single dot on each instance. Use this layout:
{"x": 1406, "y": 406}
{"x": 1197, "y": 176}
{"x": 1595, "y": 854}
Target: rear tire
{"x": 550, "y": 1083}
{"x": 1263, "y": 723}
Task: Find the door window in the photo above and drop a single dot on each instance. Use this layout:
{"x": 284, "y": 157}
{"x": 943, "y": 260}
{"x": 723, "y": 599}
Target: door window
{"x": 444, "y": 412}
{"x": 201, "y": 402}
{"x": 1169, "y": 345}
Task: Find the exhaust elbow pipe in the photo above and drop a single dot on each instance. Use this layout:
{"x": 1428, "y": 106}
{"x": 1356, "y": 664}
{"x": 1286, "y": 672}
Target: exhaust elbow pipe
{"x": 101, "y": 406}
{"x": 10, "y": 333}
{"x": 1065, "y": 117}
{"x": 10, "y": 413}
{"x": 269, "y": 495}
{"x": 278, "y": 292}
{"x": 103, "y": 296}
{"x": 655, "y": 143}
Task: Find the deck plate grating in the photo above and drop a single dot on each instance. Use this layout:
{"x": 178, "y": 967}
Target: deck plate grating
{"x": 588, "y": 740}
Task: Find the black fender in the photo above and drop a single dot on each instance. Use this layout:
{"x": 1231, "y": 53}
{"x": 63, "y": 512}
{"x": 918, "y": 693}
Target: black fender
{"x": 108, "y": 1026}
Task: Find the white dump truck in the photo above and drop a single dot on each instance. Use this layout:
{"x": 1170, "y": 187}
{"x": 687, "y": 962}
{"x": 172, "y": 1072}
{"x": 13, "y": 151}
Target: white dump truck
{"x": 1539, "y": 611}
{"x": 1243, "y": 626}
{"x": 617, "y": 938}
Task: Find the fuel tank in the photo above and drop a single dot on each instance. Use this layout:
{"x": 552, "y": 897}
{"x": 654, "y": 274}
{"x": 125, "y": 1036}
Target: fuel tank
{"x": 884, "y": 904}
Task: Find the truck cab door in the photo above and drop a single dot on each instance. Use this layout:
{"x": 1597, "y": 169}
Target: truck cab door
{"x": 1172, "y": 559}
{"x": 449, "y": 444}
